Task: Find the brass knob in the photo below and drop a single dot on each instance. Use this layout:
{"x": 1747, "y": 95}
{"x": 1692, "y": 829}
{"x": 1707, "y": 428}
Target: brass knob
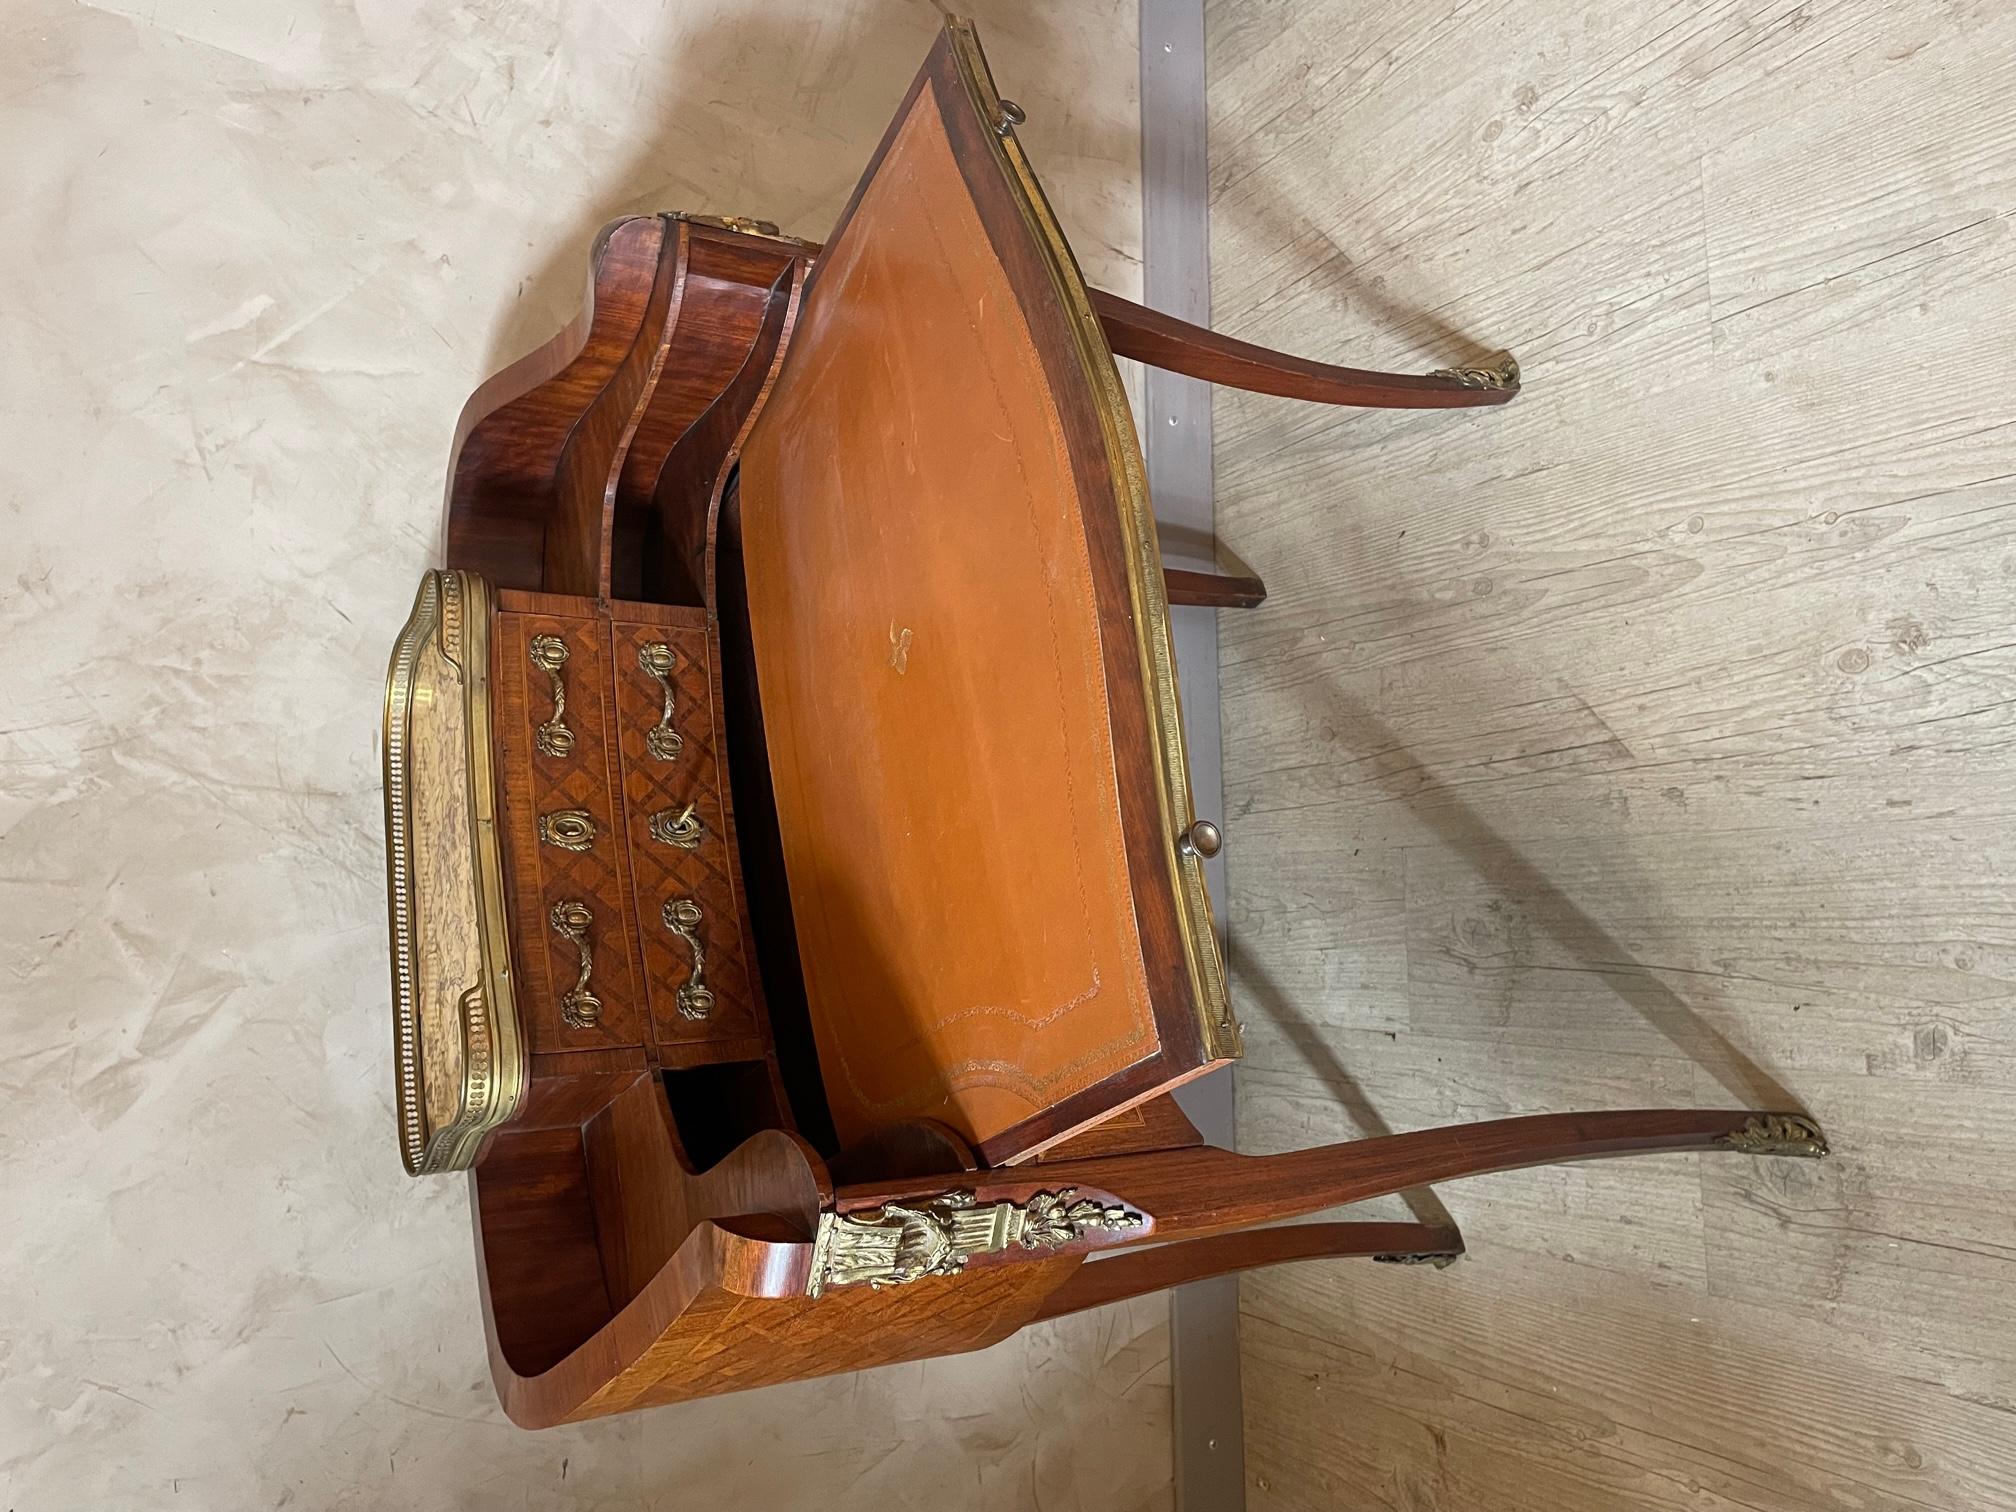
{"x": 1202, "y": 840}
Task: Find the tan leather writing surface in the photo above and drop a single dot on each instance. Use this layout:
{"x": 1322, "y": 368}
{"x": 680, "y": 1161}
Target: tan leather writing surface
{"x": 926, "y": 612}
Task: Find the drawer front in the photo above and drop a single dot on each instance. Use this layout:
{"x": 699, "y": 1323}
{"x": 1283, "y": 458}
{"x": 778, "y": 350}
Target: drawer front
{"x": 563, "y": 841}
{"x": 662, "y": 778}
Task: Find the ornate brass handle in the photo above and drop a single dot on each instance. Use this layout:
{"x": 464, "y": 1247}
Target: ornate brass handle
{"x": 570, "y": 829}
{"x": 549, "y": 654}
{"x": 682, "y": 829}
{"x": 657, "y": 660}
{"x": 578, "y": 1006}
{"x": 682, "y": 917}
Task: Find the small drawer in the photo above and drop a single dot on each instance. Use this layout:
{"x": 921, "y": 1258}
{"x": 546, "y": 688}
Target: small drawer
{"x": 564, "y": 854}
{"x": 681, "y": 849}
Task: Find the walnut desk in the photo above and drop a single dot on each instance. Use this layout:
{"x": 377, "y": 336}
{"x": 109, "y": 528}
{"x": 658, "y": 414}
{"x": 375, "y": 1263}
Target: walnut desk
{"x": 797, "y": 901}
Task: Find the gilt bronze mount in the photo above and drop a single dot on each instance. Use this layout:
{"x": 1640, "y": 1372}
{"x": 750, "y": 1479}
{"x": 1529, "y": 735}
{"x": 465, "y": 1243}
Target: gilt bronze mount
{"x": 903, "y": 1242}
{"x": 1778, "y": 1134}
{"x": 1498, "y": 373}
{"x": 459, "y": 1057}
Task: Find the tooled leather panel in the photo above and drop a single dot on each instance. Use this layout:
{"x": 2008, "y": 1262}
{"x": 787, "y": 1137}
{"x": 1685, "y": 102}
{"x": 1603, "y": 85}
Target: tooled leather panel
{"x": 928, "y": 652}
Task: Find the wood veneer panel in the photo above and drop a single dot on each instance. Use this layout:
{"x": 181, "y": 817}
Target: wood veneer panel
{"x": 536, "y": 1226}
{"x": 729, "y": 283}
{"x": 951, "y": 684}
{"x": 1138, "y": 1273}
{"x": 1157, "y": 1124}
{"x": 1213, "y": 590}
{"x": 539, "y": 875}
{"x": 1205, "y": 1190}
{"x": 664, "y": 872}
{"x": 577, "y": 544}
{"x": 503, "y": 473}
{"x": 565, "y": 1089}
{"x": 1166, "y": 342}
{"x": 679, "y": 516}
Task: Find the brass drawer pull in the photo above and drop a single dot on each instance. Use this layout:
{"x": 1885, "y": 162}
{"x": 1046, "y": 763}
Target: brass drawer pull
{"x": 682, "y": 917}
{"x": 570, "y": 829}
{"x": 549, "y": 654}
{"x": 683, "y": 830}
{"x": 579, "y": 1007}
{"x": 657, "y": 660}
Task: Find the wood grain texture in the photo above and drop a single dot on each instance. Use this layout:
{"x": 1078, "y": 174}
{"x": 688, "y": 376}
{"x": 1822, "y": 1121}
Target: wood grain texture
{"x": 567, "y": 1088}
{"x": 584, "y": 479}
{"x": 516, "y": 430}
{"x": 544, "y": 1289}
{"x": 671, "y": 549}
{"x": 539, "y": 875}
{"x": 558, "y": 461}
{"x": 1164, "y": 341}
{"x": 706, "y": 343}
{"x": 935, "y": 373}
{"x": 1214, "y": 590}
{"x": 646, "y": 1202}
{"x": 663, "y": 872}
{"x": 1139, "y": 1272}
{"x": 1205, "y": 1190}
{"x": 698, "y": 1280}
{"x": 1157, "y": 1124}
{"x": 702, "y": 1349}
{"x": 595, "y": 1243}
{"x": 1644, "y": 741}
{"x": 902, "y": 1151}
{"x": 614, "y": 1278}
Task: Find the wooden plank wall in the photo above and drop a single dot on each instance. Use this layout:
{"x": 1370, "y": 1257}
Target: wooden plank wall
{"x": 1646, "y": 742}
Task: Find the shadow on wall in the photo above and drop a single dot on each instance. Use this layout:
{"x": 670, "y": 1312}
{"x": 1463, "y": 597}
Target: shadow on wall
{"x": 774, "y": 117}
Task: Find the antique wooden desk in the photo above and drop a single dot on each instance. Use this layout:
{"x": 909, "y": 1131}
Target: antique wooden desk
{"x": 798, "y": 914}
